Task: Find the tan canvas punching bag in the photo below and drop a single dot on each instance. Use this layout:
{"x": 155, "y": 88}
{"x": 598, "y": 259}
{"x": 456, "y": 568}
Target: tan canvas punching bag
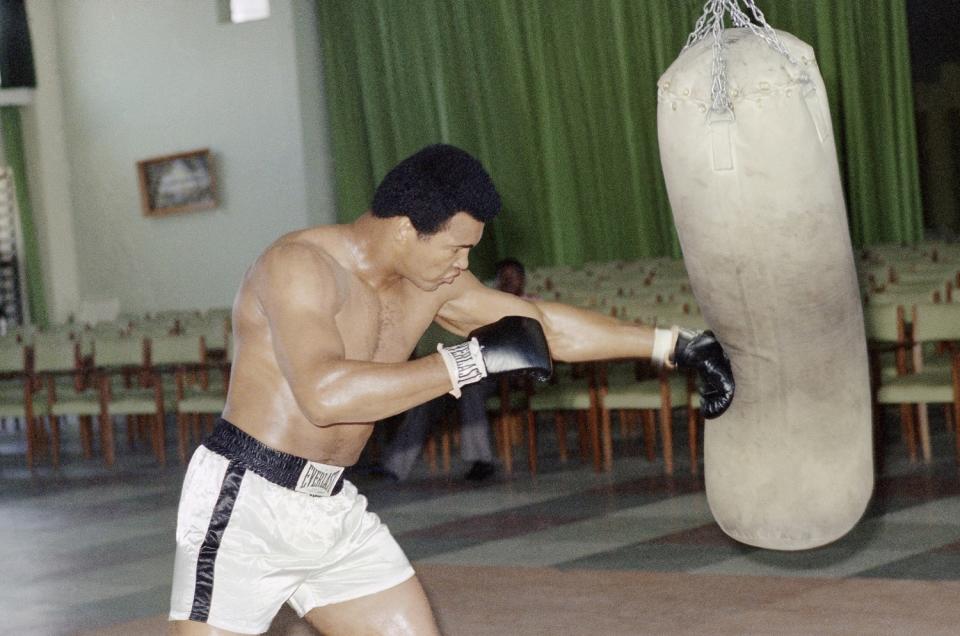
{"x": 756, "y": 197}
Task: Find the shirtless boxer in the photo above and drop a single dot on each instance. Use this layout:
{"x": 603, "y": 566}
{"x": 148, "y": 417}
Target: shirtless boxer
{"x": 324, "y": 323}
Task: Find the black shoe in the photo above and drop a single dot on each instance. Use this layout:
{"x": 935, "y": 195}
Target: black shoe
{"x": 480, "y": 471}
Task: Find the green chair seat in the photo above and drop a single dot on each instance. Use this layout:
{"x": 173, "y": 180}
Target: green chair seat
{"x": 133, "y": 405}
{"x": 695, "y": 400}
{"x": 214, "y": 386}
{"x": 12, "y": 408}
{"x": 645, "y": 394}
{"x": 75, "y": 405}
{"x": 929, "y": 386}
{"x": 202, "y": 404}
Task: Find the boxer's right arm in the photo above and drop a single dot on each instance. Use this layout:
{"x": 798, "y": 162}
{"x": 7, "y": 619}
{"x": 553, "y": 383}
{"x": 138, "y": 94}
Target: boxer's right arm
{"x": 299, "y": 293}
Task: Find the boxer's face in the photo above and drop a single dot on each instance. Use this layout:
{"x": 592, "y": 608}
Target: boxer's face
{"x": 437, "y": 259}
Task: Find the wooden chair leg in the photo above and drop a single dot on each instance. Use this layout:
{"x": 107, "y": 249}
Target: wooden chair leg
{"x": 445, "y": 445}
{"x": 594, "y": 424}
{"x": 516, "y": 432}
{"x": 622, "y": 417}
{"x": 151, "y": 438}
{"x": 923, "y": 427}
{"x": 505, "y": 423}
{"x": 431, "y": 451}
{"x": 560, "y": 425}
{"x": 666, "y": 436}
{"x": 31, "y": 434}
{"x": 159, "y": 435}
{"x": 42, "y": 438}
{"x": 600, "y": 459}
{"x": 907, "y": 431}
{"x": 606, "y": 436}
{"x": 182, "y": 433}
{"x": 649, "y": 434}
{"x": 106, "y": 438}
{"x": 55, "y": 441}
{"x": 692, "y": 425}
{"x": 86, "y": 436}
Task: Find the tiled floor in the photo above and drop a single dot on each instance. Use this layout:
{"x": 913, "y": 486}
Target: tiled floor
{"x": 87, "y": 548}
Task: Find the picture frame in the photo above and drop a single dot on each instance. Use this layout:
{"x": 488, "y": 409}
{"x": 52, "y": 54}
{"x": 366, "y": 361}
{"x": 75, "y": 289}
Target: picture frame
{"x": 181, "y": 182}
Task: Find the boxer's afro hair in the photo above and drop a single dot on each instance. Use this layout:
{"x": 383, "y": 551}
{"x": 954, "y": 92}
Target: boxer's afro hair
{"x": 432, "y": 185}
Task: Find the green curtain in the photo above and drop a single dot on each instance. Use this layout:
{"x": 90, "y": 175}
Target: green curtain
{"x": 558, "y": 99}
{"x": 12, "y": 137}
{"x": 864, "y": 58}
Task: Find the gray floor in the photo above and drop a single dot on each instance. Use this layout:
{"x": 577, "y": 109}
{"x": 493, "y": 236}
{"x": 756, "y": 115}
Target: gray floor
{"x": 86, "y": 547}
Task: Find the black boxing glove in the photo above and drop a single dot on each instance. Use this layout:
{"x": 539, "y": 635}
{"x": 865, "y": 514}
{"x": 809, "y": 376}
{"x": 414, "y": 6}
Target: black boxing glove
{"x": 513, "y": 343}
{"x": 701, "y": 351}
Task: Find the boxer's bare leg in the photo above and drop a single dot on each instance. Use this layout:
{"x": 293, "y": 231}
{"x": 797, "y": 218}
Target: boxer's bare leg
{"x": 193, "y": 628}
{"x": 402, "y": 610}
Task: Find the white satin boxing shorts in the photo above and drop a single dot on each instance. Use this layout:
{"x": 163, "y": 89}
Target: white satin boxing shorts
{"x": 258, "y": 527}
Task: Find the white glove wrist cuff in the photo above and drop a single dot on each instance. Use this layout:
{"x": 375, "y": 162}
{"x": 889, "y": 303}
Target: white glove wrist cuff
{"x": 464, "y": 364}
{"x": 664, "y": 342}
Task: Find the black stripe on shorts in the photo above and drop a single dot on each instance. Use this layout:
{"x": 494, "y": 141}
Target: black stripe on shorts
{"x": 203, "y": 592}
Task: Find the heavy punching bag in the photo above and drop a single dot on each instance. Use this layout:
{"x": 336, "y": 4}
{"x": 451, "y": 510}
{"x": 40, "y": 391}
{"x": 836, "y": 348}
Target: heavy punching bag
{"x": 751, "y": 171}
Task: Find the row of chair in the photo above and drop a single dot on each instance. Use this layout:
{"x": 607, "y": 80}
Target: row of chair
{"x": 915, "y": 290}
{"x": 139, "y": 378}
{"x": 915, "y": 361}
{"x": 213, "y": 324}
{"x": 593, "y": 394}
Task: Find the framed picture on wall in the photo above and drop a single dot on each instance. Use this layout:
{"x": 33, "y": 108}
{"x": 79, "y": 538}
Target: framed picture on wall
{"x": 183, "y": 182}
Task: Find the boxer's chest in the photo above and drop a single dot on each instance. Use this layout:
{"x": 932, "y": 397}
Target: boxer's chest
{"x": 383, "y": 328}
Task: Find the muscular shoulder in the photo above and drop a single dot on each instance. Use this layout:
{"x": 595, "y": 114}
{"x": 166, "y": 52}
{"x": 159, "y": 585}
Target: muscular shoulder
{"x": 294, "y": 270}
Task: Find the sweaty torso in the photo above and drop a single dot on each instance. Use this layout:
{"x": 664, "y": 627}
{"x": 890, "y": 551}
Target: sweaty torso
{"x": 375, "y": 325}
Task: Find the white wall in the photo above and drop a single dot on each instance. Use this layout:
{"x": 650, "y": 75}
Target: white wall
{"x": 143, "y": 79}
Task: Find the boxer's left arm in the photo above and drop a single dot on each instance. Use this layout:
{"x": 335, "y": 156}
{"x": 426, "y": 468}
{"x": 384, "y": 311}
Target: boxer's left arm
{"x": 578, "y": 335}
{"x": 573, "y": 334}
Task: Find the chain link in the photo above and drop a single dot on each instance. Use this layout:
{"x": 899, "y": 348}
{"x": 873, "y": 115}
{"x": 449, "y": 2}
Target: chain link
{"x": 711, "y": 22}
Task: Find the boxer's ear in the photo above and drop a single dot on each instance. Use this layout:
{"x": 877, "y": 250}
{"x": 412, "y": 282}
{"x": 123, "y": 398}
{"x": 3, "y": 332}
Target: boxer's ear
{"x": 404, "y": 229}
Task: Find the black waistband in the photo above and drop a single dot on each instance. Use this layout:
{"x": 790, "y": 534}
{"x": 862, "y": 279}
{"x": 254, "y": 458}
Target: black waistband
{"x": 275, "y": 466}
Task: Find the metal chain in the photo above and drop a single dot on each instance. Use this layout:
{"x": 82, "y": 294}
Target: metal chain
{"x": 711, "y": 22}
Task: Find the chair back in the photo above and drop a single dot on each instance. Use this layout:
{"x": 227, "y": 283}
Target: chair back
{"x": 174, "y": 350}
{"x": 120, "y": 352}
{"x": 936, "y": 322}
{"x": 884, "y": 323}
{"x": 12, "y": 359}
{"x": 54, "y": 354}
{"x": 213, "y": 330}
